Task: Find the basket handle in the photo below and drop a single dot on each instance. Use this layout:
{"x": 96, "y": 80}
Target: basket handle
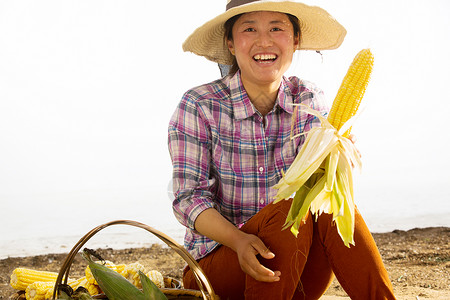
{"x": 202, "y": 281}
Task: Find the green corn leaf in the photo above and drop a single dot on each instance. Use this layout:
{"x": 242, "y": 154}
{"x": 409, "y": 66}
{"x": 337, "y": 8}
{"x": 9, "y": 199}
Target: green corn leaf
{"x": 336, "y": 201}
{"x": 81, "y": 293}
{"x": 296, "y": 205}
{"x": 346, "y": 222}
{"x": 330, "y": 168}
{"x": 316, "y": 191}
{"x": 151, "y": 291}
{"x": 114, "y": 285}
{"x": 62, "y": 295}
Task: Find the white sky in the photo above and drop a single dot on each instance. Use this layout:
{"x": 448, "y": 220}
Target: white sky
{"x": 87, "y": 89}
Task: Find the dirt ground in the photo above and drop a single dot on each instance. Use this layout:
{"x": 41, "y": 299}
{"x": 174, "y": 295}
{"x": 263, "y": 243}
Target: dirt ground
{"x": 418, "y": 262}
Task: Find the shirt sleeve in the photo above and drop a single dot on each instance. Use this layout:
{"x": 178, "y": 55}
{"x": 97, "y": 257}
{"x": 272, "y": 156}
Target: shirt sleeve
{"x": 189, "y": 147}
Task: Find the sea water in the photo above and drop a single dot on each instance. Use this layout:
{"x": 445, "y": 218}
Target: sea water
{"x": 53, "y": 223}
{"x": 33, "y": 225}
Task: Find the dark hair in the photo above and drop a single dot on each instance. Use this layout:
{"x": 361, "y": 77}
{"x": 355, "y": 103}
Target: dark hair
{"x": 228, "y": 35}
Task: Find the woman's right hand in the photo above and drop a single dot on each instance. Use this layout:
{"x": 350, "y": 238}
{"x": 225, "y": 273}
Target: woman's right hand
{"x": 247, "y": 247}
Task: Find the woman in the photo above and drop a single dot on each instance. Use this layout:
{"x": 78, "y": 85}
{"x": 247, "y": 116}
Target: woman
{"x": 229, "y": 142}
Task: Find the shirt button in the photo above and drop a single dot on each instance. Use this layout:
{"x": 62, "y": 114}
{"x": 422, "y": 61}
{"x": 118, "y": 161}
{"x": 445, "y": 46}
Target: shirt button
{"x": 261, "y": 169}
{"x": 261, "y": 201}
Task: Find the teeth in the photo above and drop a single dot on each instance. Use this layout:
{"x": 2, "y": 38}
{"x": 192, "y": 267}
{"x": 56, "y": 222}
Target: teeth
{"x": 265, "y": 57}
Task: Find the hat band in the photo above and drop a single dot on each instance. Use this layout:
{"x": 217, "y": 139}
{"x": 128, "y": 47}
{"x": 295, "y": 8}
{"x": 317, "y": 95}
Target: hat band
{"x": 234, "y": 3}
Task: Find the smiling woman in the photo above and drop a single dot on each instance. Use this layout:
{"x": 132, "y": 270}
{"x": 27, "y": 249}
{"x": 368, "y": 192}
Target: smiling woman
{"x": 84, "y": 89}
{"x": 263, "y": 44}
{"x": 230, "y": 144}
{"x": 229, "y": 35}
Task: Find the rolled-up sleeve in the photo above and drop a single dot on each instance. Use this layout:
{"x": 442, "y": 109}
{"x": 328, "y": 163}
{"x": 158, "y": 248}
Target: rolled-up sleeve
{"x": 189, "y": 147}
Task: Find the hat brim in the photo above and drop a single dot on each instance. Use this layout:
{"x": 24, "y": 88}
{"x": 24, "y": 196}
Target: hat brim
{"x": 319, "y": 30}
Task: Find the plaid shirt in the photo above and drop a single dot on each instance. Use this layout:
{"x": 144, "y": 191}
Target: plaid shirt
{"x": 226, "y": 156}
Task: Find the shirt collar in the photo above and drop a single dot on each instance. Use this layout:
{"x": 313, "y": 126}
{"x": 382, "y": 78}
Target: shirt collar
{"x": 242, "y": 106}
{"x": 285, "y": 98}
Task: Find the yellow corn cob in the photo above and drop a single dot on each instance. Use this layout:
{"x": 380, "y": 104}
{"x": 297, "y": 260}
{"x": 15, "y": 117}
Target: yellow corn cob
{"x": 89, "y": 275}
{"x": 93, "y": 289}
{"x": 131, "y": 272}
{"x": 156, "y": 277}
{"x": 38, "y": 290}
{"x": 352, "y": 90}
{"x": 49, "y": 292}
{"x": 120, "y": 268}
{"x": 321, "y": 174}
{"x": 74, "y": 284}
{"x": 22, "y": 277}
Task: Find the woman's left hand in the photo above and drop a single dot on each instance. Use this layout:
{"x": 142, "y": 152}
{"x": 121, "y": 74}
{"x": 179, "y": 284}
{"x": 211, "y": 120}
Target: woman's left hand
{"x": 353, "y": 139}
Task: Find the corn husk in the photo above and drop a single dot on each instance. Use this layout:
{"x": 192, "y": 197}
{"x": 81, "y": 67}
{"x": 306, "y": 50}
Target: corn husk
{"x": 321, "y": 178}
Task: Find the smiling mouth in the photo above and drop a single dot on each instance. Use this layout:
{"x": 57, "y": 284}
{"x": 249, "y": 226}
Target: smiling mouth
{"x": 265, "y": 58}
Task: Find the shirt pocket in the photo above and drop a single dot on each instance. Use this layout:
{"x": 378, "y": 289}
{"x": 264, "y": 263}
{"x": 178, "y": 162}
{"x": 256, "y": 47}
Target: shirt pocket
{"x": 239, "y": 157}
{"x": 286, "y": 153}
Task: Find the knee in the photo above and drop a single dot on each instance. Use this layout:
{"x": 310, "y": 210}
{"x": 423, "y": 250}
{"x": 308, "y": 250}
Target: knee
{"x": 280, "y": 213}
{"x": 269, "y": 225}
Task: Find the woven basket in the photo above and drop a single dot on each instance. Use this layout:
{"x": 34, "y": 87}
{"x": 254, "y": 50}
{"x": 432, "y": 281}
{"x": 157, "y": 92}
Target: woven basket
{"x": 206, "y": 291}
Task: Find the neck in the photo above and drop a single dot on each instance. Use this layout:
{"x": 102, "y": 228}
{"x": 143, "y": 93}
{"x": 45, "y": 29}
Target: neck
{"x": 262, "y": 96}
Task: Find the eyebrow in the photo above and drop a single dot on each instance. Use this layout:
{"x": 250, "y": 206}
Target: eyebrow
{"x": 271, "y": 22}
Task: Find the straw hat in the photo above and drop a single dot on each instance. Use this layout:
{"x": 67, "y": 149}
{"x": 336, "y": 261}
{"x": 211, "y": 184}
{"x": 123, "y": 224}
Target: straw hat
{"x": 319, "y": 30}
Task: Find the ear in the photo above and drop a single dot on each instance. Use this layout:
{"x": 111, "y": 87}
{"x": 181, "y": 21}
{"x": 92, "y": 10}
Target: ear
{"x": 230, "y": 45}
{"x": 296, "y": 42}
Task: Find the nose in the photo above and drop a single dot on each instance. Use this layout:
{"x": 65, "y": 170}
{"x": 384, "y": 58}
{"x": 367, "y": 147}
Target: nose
{"x": 264, "y": 40}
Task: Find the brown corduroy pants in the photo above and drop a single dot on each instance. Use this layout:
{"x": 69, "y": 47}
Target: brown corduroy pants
{"x": 307, "y": 263}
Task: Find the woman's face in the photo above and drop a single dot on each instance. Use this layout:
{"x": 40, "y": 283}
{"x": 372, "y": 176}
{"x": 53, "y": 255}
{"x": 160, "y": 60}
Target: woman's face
{"x": 263, "y": 43}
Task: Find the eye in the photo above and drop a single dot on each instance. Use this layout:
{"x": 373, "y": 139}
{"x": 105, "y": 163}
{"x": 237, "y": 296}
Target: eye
{"x": 276, "y": 29}
{"x": 249, "y": 29}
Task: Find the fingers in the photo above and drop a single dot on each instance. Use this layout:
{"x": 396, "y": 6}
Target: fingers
{"x": 352, "y": 138}
{"x": 247, "y": 255}
{"x": 253, "y": 267}
{"x": 263, "y": 250}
